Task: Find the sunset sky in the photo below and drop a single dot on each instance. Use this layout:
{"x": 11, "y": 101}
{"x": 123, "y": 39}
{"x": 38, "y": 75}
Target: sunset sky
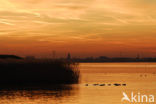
{"x": 81, "y": 27}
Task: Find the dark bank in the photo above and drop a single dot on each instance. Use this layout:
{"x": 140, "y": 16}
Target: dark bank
{"x": 18, "y": 71}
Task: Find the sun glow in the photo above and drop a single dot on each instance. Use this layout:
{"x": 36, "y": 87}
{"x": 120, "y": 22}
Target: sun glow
{"x": 90, "y": 27}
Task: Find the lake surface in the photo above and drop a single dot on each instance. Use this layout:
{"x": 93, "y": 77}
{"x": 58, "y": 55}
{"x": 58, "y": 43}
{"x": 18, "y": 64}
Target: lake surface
{"x": 138, "y": 77}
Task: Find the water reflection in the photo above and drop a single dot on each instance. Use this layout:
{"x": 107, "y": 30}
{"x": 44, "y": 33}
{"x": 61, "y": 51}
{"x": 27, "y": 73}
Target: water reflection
{"x": 134, "y": 79}
{"x": 38, "y": 95}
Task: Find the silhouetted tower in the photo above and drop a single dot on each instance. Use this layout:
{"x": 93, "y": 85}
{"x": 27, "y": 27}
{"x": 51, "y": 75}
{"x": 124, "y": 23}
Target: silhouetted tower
{"x": 138, "y": 56}
{"x": 68, "y": 56}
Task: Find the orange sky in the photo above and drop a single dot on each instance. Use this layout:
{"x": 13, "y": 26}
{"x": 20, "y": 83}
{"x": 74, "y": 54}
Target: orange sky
{"x": 81, "y": 27}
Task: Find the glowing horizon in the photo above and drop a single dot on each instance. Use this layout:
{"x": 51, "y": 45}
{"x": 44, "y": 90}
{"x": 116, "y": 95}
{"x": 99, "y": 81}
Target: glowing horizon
{"x": 83, "y": 28}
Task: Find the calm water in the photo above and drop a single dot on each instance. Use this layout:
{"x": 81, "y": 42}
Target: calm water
{"x": 138, "y": 77}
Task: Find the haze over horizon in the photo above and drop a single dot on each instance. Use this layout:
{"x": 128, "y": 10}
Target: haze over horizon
{"x": 81, "y": 27}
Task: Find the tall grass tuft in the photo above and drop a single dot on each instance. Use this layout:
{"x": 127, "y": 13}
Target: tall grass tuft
{"x": 38, "y": 71}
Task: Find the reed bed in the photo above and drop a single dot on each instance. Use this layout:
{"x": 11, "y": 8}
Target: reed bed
{"x": 38, "y": 71}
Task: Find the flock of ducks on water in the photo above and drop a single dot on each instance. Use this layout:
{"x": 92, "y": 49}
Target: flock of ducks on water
{"x": 115, "y": 84}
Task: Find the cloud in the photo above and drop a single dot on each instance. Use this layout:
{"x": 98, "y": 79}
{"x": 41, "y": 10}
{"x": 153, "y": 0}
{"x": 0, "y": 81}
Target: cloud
{"x": 90, "y": 21}
{"x": 6, "y": 23}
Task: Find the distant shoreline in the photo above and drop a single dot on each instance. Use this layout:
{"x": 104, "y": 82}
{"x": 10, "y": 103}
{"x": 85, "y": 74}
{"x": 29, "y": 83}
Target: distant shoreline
{"x": 117, "y": 62}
